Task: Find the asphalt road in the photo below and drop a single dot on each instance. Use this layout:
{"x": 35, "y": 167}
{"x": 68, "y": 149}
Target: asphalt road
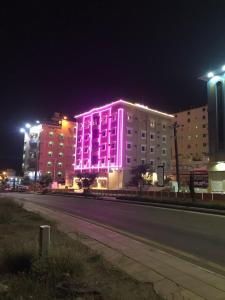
{"x": 201, "y": 235}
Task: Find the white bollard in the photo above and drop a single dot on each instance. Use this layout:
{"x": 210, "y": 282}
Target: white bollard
{"x": 44, "y": 240}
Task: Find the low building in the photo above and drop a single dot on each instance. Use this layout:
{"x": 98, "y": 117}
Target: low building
{"x": 114, "y": 138}
{"x": 49, "y": 148}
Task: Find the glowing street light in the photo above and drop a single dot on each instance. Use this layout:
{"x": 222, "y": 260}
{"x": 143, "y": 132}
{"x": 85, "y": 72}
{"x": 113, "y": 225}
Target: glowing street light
{"x": 210, "y": 74}
{"x": 223, "y": 68}
{"x": 28, "y": 125}
{"x": 38, "y": 122}
{"x": 22, "y": 130}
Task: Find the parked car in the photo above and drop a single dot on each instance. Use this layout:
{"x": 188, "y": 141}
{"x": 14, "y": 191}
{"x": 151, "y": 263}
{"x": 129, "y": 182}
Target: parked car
{"x": 22, "y": 188}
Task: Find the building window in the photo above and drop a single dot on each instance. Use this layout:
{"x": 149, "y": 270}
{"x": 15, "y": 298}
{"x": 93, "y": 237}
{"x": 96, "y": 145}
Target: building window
{"x": 203, "y": 117}
{"x": 113, "y": 146}
{"x": 61, "y": 154}
{"x": 112, "y": 159}
{"x": 49, "y": 172}
{"x": 129, "y": 117}
{"x": 188, "y": 113}
{"x": 59, "y": 164}
{"x": 204, "y": 135}
{"x": 189, "y": 137}
{"x": 163, "y": 151}
{"x": 164, "y": 138}
{"x": 128, "y": 146}
{"x": 188, "y": 120}
{"x": 152, "y": 123}
{"x": 59, "y": 174}
{"x": 86, "y": 150}
{"x": 50, "y": 144}
{"x": 51, "y": 133}
{"x": 152, "y": 149}
{"x": 151, "y": 162}
{"x": 104, "y": 119}
{"x": 204, "y": 144}
{"x": 50, "y": 153}
{"x": 61, "y": 145}
{"x": 114, "y": 117}
{"x": 128, "y": 159}
{"x": 203, "y": 125}
{"x": 152, "y": 136}
{"x": 163, "y": 126}
{"x": 143, "y": 148}
{"x": 49, "y": 163}
{"x": 86, "y": 137}
{"x": 103, "y": 160}
{"x": 113, "y": 131}
{"x": 79, "y": 139}
{"x": 61, "y": 135}
{"x": 189, "y": 146}
{"x": 143, "y": 161}
{"x": 103, "y": 147}
{"x": 143, "y": 134}
{"x": 129, "y": 131}
{"x": 104, "y": 133}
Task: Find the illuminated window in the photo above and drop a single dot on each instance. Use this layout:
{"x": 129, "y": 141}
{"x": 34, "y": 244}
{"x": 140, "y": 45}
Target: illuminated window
{"x": 59, "y": 164}
{"x": 59, "y": 174}
{"x": 152, "y": 123}
{"x": 50, "y": 153}
{"x": 51, "y": 133}
{"x": 61, "y": 135}
{"x": 50, "y": 144}
{"x": 49, "y": 163}
{"x": 61, "y": 154}
{"x": 129, "y": 117}
{"x": 61, "y": 144}
{"x": 49, "y": 172}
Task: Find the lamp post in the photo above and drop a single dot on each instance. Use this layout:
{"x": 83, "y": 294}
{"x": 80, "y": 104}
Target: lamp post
{"x": 175, "y": 125}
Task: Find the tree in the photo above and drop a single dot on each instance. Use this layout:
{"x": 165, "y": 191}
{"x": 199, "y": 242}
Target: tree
{"x": 45, "y": 180}
{"x": 141, "y": 175}
{"x": 86, "y": 180}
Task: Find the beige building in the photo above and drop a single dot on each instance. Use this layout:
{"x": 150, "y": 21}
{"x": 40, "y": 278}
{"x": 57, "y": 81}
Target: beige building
{"x": 114, "y": 138}
{"x": 192, "y": 139}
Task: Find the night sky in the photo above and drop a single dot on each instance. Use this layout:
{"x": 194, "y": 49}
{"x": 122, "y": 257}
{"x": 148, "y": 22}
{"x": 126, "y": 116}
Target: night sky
{"x": 69, "y": 58}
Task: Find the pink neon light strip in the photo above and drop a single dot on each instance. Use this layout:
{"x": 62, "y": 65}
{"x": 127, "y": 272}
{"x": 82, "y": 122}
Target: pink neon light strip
{"x": 120, "y": 111}
{"x": 75, "y": 156}
{"x": 90, "y": 140}
{"x": 99, "y": 139}
{"x": 82, "y": 148}
{"x": 109, "y": 137}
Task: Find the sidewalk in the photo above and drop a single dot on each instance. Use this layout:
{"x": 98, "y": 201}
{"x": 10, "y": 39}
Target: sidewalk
{"x": 172, "y": 277}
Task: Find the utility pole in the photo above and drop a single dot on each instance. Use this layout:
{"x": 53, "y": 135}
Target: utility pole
{"x": 175, "y": 126}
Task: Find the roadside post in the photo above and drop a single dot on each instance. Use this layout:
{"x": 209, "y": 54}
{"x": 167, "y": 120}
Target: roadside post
{"x": 44, "y": 240}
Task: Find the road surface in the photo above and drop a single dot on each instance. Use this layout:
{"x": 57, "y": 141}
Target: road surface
{"x": 198, "y": 234}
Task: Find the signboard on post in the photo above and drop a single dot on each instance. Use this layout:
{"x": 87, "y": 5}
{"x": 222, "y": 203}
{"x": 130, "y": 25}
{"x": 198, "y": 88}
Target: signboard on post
{"x": 160, "y": 175}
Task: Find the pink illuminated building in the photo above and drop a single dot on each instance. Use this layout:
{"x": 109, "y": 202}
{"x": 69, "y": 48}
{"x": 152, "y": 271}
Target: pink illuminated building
{"x": 118, "y": 136}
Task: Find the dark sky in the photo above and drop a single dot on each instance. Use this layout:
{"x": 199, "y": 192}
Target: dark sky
{"x": 68, "y": 58}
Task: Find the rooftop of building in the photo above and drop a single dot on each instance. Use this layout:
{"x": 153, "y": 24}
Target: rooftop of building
{"x": 120, "y": 101}
{"x": 191, "y": 108}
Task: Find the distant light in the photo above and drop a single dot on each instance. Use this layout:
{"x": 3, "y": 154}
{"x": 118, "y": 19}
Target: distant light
{"x": 38, "y": 122}
{"x": 223, "y": 68}
{"x": 22, "y": 130}
{"x": 28, "y": 125}
{"x": 65, "y": 117}
{"x": 210, "y": 74}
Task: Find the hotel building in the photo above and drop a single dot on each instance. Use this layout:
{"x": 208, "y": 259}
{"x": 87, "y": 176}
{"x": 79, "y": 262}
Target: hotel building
{"x": 116, "y": 137}
{"x": 49, "y": 149}
{"x": 192, "y": 139}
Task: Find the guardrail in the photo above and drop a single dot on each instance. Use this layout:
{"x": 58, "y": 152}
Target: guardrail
{"x": 219, "y": 197}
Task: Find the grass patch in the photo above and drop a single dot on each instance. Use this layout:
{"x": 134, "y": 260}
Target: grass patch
{"x": 72, "y": 270}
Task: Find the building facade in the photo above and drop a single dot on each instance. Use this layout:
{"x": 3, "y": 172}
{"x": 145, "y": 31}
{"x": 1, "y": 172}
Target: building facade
{"x": 192, "y": 139}
{"x": 114, "y": 138}
{"x": 49, "y": 148}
